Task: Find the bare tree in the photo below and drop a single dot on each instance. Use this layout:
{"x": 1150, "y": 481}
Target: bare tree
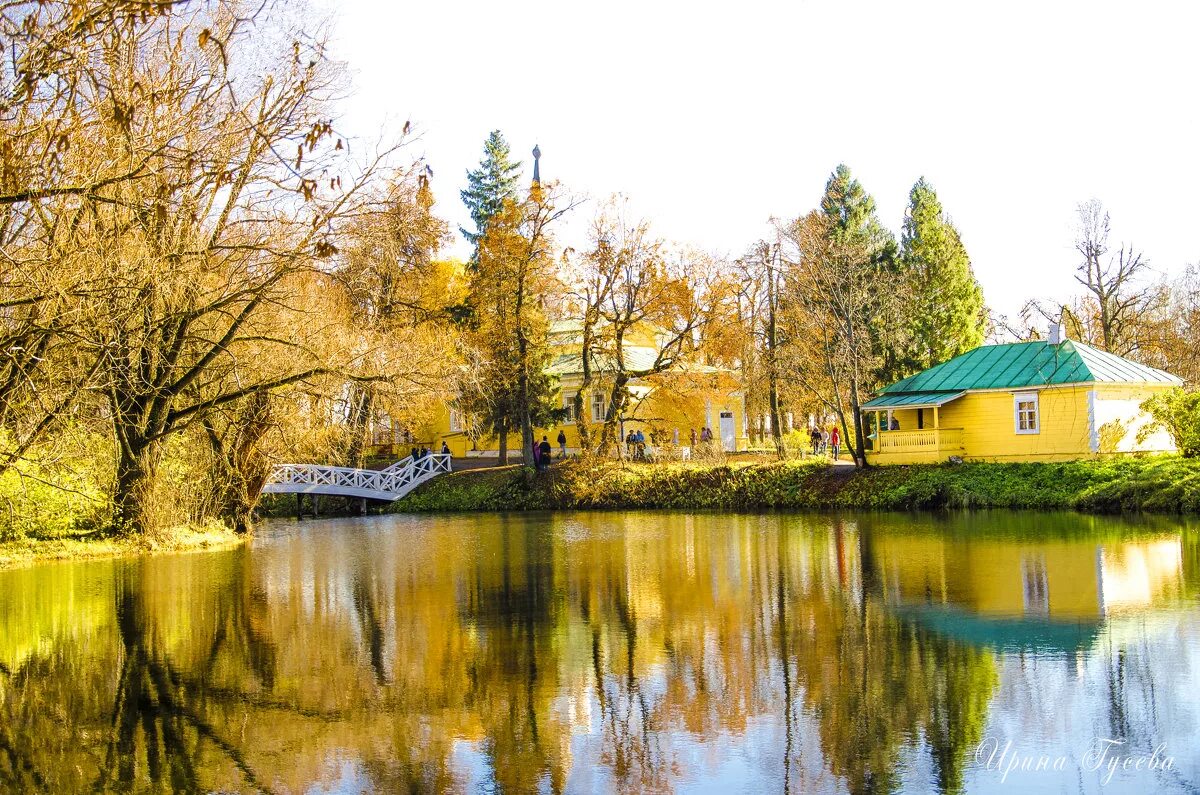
{"x": 1120, "y": 298}
{"x": 167, "y": 243}
{"x": 763, "y": 267}
{"x": 647, "y": 287}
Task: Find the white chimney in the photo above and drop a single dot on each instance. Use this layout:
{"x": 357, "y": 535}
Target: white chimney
{"x": 1057, "y": 333}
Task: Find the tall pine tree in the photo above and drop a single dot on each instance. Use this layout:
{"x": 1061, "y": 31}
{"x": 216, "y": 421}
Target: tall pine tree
{"x": 946, "y": 313}
{"x": 852, "y": 211}
{"x": 489, "y": 186}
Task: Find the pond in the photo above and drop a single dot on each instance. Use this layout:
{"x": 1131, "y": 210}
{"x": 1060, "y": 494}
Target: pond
{"x": 631, "y": 652}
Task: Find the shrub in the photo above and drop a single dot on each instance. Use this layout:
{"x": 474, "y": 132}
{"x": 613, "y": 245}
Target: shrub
{"x": 1179, "y": 412}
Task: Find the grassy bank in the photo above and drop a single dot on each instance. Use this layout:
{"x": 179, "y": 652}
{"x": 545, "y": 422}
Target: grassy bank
{"x": 32, "y": 549}
{"x": 1165, "y": 484}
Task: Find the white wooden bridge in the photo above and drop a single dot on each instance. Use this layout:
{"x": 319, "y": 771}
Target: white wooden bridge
{"x": 373, "y": 484}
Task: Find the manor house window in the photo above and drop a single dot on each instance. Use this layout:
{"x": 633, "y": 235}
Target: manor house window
{"x": 1025, "y": 405}
{"x": 599, "y": 406}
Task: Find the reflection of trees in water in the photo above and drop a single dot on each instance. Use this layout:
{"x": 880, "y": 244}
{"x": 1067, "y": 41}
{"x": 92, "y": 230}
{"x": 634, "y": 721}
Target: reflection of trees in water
{"x": 169, "y": 704}
{"x": 514, "y": 674}
{"x": 874, "y": 684}
{"x": 626, "y": 718}
{"x": 512, "y": 640}
{"x": 139, "y": 715}
{"x": 158, "y": 699}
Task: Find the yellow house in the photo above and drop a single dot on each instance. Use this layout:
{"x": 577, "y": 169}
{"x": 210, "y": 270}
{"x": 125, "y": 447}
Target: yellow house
{"x": 1023, "y": 401}
{"x": 664, "y": 406}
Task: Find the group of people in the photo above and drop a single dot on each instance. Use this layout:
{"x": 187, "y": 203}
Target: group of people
{"x": 542, "y": 451}
{"x": 635, "y": 445}
{"x": 826, "y": 441}
{"x": 420, "y": 452}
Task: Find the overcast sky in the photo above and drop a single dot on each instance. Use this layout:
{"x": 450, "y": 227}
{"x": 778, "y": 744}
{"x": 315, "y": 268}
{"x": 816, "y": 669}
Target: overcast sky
{"x": 712, "y": 119}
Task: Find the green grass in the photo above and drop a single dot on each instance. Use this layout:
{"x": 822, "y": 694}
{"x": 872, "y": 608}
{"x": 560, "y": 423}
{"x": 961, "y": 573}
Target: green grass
{"x": 83, "y": 545}
{"x": 1160, "y": 484}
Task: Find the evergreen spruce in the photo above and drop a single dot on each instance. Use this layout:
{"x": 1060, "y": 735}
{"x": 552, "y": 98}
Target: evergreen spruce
{"x": 489, "y": 186}
{"x": 946, "y": 315}
{"x": 852, "y": 211}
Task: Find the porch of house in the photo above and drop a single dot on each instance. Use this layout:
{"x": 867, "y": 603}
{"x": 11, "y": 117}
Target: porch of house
{"x": 923, "y": 445}
{"x": 927, "y": 446}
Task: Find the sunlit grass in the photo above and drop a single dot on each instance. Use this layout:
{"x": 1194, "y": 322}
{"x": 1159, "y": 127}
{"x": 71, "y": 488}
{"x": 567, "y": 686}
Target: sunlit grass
{"x": 82, "y": 545}
{"x": 1162, "y": 484}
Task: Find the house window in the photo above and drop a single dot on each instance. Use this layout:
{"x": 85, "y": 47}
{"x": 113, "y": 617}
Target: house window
{"x": 1025, "y": 407}
{"x": 599, "y": 406}
{"x": 568, "y": 409}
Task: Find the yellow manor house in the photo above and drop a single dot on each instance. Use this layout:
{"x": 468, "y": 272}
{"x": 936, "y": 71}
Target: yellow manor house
{"x": 1049, "y": 400}
{"x": 665, "y": 406}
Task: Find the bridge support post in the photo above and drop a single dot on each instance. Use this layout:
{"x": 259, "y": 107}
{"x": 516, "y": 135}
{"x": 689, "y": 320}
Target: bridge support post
{"x": 299, "y": 506}
{"x": 362, "y": 506}
{"x": 316, "y": 506}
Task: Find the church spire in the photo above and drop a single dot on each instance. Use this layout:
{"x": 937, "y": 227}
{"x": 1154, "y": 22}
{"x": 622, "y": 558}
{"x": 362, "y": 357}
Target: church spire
{"x": 537, "y": 154}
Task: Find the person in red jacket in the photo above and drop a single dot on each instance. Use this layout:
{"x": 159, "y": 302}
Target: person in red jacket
{"x": 834, "y": 439}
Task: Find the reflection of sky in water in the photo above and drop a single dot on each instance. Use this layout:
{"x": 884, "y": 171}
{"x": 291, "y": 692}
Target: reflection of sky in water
{"x": 610, "y": 651}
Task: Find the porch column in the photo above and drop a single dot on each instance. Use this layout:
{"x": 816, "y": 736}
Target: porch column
{"x": 937, "y": 431}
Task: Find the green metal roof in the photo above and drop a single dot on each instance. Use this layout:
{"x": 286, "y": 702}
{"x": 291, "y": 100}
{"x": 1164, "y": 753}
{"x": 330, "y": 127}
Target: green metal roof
{"x": 1029, "y": 364}
{"x": 912, "y": 400}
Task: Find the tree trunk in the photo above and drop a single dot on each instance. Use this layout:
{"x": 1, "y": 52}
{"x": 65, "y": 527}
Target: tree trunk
{"x": 502, "y": 438}
{"x": 581, "y": 424}
{"x": 360, "y": 417}
{"x": 772, "y": 368}
{"x": 131, "y": 494}
{"x": 859, "y": 449}
{"x": 245, "y": 469}
{"x": 616, "y": 406}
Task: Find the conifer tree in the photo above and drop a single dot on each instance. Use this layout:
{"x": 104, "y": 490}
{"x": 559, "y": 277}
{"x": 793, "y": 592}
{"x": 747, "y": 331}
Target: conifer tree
{"x": 842, "y": 265}
{"x": 854, "y": 220}
{"x": 946, "y": 313}
{"x": 489, "y": 186}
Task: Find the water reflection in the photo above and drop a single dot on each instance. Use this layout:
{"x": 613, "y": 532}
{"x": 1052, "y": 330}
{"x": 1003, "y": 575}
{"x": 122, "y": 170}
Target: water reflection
{"x": 609, "y": 652}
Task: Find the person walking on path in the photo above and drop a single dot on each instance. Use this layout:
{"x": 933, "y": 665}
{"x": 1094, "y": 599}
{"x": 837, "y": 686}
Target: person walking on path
{"x": 544, "y": 453}
{"x": 815, "y": 438}
{"x": 562, "y": 444}
{"x": 834, "y": 439}
{"x": 537, "y": 455}
{"x": 445, "y": 448}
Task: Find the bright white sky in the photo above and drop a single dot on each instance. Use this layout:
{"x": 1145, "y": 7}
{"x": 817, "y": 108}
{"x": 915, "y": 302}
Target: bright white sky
{"x": 711, "y": 119}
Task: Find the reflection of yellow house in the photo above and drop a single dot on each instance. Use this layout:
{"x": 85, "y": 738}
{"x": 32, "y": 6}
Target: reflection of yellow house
{"x": 686, "y": 397}
{"x": 1024, "y": 401}
{"x": 1001, "y": 585}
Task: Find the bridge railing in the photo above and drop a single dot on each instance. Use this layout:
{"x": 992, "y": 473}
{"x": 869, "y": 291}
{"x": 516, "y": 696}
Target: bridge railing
{"x": 396, "y": 479}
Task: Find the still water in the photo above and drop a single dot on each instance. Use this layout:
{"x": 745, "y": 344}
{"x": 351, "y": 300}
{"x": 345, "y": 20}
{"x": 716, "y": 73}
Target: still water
{"x": 630, "y": 652}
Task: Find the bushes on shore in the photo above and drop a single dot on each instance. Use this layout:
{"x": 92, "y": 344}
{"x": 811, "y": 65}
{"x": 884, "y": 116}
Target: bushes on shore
{"x": 1168, "y": 484}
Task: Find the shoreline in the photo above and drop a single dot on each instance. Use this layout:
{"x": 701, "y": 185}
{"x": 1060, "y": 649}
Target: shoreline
{"x": 1151, "y": 484}
{"x": 92, "y": 546}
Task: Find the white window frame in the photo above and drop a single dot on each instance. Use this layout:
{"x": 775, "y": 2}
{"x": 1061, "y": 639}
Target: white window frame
{"x": 602, "y": 406}
{"x": 569, "y": 405}
{"x": 1027, "y": 397}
